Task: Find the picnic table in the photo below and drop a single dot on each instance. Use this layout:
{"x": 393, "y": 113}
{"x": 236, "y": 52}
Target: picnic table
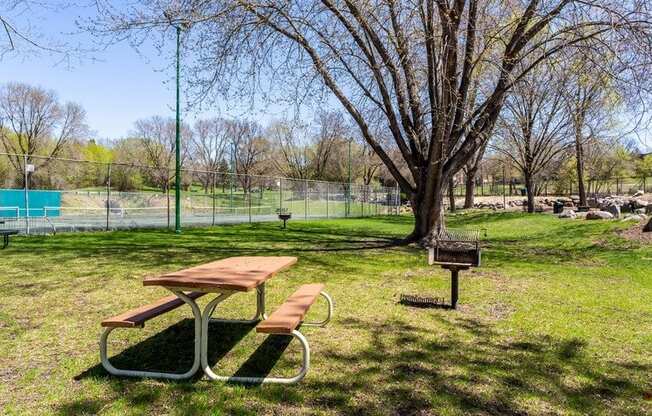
{"x": 225, "y": 278}
{"x": 5, "y": 235}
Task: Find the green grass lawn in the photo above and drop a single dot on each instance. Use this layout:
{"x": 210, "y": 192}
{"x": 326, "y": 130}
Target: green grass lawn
{"x": 558, "y": 320}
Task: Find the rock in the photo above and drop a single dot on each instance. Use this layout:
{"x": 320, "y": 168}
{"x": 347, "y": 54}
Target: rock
{"x": 613, "y": 210}
{"x": 599, "y": 215}
{"x": 638, "y": 203}
{"x": 634, "y": 218}
{"x": 638, "y": 193}
{"x": 568, "y": 214}
{"x": 648, "y": 209}
{"x": 640, "y": 211}
{"x": 581, "y": 215}
{"x": 648, "y": 227}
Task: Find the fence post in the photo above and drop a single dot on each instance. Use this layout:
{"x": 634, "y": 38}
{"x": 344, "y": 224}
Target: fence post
{"x": 280, "y": 195}
{"x": 305, "y": 199}
{"x": 231, "y": 197}
{"x": 108, "y": 196}
{"x": 167, "y": 193}
{"x": 249, "y": 198}
{"x": 328, "y": 184}
{"x": 397, "y": 201}
{"x": 213, "y": 194}
{"x": 26, "y": 188}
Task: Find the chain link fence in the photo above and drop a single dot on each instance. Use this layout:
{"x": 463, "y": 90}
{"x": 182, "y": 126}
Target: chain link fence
{"x": 48, "y": 195}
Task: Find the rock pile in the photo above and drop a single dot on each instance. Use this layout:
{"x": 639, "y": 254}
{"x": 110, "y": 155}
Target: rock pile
{"x": 491, "y": 205}
{"x": 624, "y": 204}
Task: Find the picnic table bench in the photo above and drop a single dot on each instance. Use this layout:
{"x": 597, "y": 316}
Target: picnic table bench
{"x": 5, "y": 235}
{"x": 224, "y": 278}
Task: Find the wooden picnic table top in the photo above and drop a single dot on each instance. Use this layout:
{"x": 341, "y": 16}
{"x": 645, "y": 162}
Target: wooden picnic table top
{"x": 233, "y": 273}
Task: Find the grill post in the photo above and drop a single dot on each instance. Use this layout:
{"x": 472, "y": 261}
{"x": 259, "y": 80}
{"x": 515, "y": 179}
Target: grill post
{"x": 454, "y": 287}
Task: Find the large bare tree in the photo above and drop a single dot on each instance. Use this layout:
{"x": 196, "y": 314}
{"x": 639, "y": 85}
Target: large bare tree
{"x": 331, "y": 130}
{"x": 409, "y": 64}
{"x": 34, "y": 123}
{"x": 158, "y": 138}
{"x": 250, "y": 150}
{"x": 291, "y": 156}
{"x": 210, "y": 142}
{"x": 534, "y": 127}
{"x": 594, "y": 97}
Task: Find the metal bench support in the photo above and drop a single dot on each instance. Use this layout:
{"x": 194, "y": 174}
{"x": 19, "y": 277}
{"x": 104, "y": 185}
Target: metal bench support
{"x": 305, "y": 366}
{"x": 5, "y": 237}
{"x": 154, "y": 374}
{"x": 202, "y": 320}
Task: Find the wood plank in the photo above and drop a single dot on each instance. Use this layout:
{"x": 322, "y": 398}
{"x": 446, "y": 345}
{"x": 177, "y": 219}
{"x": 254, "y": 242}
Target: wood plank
{"x": 287, "y": 317}
{"x": 138, "y": 316}
{"x": 233, "y": 273}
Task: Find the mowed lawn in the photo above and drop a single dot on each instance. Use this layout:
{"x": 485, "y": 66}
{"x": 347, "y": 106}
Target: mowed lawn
{"x": 558, "y": 320}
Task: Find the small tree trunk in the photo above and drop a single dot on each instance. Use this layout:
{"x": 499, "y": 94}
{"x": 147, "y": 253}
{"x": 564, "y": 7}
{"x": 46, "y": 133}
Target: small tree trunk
{"x": 579, "y": 156}
{"x": 469, "y": 193}
{"x": 451, "y": 194}
{"x": 529, "y": 186}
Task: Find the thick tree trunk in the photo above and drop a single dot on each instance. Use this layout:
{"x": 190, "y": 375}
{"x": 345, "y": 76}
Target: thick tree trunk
{"x": 470, "y": 188}
{"x": 451, "y": 194}
{"x": 579, "y": 156}
{"x": 529, "y": 186}
{"x": 428, "y": 216}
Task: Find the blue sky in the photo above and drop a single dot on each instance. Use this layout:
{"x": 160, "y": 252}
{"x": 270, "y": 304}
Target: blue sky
{"x": 116, "y": 89}
{"x": 118, "y": 86}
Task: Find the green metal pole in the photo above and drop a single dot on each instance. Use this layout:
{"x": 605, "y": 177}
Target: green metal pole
{"x": 348, "y": 193}
{"x": 177, "y": 185}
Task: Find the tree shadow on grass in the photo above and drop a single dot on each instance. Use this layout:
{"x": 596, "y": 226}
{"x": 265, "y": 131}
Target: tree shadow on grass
{"x": 154, "y": 246}
{"x": 465, "y": 366}
{"x": 474, "y": 369}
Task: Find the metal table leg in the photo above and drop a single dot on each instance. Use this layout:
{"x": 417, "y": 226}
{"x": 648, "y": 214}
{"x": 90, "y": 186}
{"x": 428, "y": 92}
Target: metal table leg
{"x": 260, "y": 310}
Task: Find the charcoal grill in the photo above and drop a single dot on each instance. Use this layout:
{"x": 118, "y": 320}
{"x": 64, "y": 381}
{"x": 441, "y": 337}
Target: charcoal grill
{"x": 455, "y": 250}
{"x": 284, "y": 215}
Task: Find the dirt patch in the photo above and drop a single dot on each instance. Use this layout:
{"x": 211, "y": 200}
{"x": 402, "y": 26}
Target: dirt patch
{"x": 635, "y": 233}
